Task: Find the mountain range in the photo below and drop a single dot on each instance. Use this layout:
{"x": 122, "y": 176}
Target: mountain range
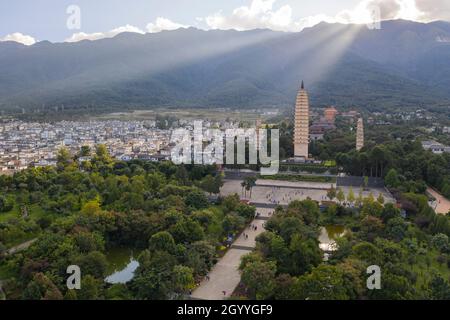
{"x": 403, "y": 64}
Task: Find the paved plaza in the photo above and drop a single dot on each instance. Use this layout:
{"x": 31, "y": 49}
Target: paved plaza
{"x": 275, "y": 192}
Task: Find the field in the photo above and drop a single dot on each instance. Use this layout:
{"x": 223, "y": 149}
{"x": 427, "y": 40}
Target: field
{"x": 186, "y": 114}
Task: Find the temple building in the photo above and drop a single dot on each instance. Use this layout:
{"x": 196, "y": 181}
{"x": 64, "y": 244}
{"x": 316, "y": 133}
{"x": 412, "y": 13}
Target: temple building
{"x": 301, "y": 126}
{"x": 330, "y": 114}
{"x": 360, "y": 134}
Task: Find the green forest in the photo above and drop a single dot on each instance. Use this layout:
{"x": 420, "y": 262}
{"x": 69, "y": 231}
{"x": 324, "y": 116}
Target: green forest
{"x": 413, "y": 256}
{"x": 78, "y": 212}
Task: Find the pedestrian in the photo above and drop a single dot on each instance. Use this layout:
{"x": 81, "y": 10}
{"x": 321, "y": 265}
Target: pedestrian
{"x": 224, "y": 293}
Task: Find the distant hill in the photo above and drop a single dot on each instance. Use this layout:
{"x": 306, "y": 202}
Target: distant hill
{"x": 403, "y": 64}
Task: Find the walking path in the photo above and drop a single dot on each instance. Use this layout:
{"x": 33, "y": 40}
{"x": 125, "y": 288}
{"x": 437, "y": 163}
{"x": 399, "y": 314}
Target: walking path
{"x": 442, "y": 204}
{"x": 225, "y": 275}
{"x": 21, "y": 247}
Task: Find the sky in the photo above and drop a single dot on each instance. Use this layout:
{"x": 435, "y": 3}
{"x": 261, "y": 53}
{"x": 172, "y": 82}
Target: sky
{"x": 28, "y": 21}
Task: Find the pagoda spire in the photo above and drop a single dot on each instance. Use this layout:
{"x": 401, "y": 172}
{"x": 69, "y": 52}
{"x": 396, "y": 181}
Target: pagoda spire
{"x": 303, "y": 85}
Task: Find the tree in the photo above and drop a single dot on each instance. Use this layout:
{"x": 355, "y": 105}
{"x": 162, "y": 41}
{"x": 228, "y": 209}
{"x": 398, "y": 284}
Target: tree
{"x": 440, "y": 288}
{"x": 102, "y": 156}
{"x": 85, "y": 151}
{"x": 42, "y": 288}
{"x": 250, "y": 182}
{"x": 94, "y": 263}
{"x": 440, "y": 241}
{"x": 162, "y": 241}
{"x": 91, "y": 288}
{"x": 183, "y": 279}
{"x": 394, "y": 287}
{"x": 284, "y": 287}
{"x": 259, "y": 278}
{"x": 232, "y": 222}
{"x": 366, "y": 182}
{"x": 305, "y": 255}
{"x": 208, "y": 184}
{"x": 89, "y": 241}
{"x": 63, "y": 159}
{"x": 200, "y": 256}
{"x": 182, "y": 175}
{"x": 244, "y": 185}
{"x": 231, "y": 203}
{"x": 212, "y": 184}
{"x": 396, "y": 228}
{"x": 187, "y": 230}
{"x": 118, "y": 291}
{"x": 392, "y": 180}
{"x": 367, "y": 252}
{"x": 351, "y": 196}
{"x": 360, "y": 199}
{"x": 340, "y": 195}
{"x": 197, "y": 200}
{"x": 92, "y": 208}
{"x": 371, "y": 227}
{"x": 331, "y": 193}
{"x": 389, "y": 212}
{"x": 380, "y": 198}
{"x": 323, "y": 283}
{"x": 5, "y": 204}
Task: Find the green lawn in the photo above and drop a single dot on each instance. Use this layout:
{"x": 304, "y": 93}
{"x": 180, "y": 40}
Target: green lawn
{"x": 34, "y": 211}
{"x": 427, "y": 265}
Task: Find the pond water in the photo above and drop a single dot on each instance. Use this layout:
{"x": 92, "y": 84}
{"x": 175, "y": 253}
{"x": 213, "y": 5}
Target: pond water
{"x": 328, "y": 236}
{"x": 122, "y": 265}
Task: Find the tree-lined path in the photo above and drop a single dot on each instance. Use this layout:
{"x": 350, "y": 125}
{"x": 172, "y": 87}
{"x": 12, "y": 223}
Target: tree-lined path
{"x": 225, "y": 275}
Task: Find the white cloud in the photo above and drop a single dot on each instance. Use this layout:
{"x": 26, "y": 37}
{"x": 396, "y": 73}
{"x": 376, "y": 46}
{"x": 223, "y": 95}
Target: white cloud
{"x": 158, "y": 25}
{"x": 161, "y": 24}
{"x": 386, "y": 9}
{"x": 262, "y": 14}
{"x": 101, "y": 35}
{"x": 434, "y": 9}
{"x": 19, "y": 37}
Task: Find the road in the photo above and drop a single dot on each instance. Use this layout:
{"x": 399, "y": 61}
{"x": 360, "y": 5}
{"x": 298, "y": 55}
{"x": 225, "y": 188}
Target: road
{"x": 225, "y": 275}
{"x": 442, "y": 204}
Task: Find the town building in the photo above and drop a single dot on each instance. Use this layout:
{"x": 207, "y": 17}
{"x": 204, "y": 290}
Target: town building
{"x": 435, "y": 147}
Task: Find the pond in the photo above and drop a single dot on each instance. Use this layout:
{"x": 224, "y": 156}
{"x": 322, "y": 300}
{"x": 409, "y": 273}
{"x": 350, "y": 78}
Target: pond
{"x": 328, "y": 236}
{"x": 122, "y": 265}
